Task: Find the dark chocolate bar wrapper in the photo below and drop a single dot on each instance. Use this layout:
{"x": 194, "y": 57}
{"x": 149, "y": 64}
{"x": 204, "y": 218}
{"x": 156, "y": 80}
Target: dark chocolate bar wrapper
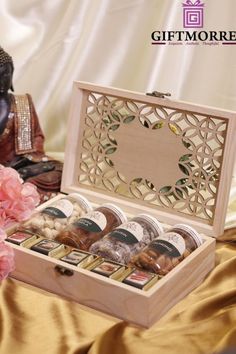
{"x": 79, "y": 258}
{"x": 47, "y": 247}
{"x": 23, "y": 238}
{"x": 140, "y": 279}
{"x": 111, "y": 269}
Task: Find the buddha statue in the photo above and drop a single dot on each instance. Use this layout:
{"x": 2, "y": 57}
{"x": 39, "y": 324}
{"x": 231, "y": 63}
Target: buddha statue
{"x": 21, "y": 137}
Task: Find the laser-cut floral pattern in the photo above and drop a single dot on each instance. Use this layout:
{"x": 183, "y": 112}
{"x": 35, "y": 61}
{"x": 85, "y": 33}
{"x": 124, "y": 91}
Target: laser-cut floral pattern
{"x": 202, "y": 137}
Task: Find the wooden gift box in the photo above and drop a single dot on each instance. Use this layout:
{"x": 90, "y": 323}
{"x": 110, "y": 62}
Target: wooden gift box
{"x": 170, "y": 159}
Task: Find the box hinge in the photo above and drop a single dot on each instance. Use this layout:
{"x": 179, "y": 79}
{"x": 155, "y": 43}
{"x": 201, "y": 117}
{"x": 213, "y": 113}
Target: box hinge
{"x": 159, "y": 94}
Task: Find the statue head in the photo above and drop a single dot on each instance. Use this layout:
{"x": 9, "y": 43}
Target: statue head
{"x": 6, "y": 71}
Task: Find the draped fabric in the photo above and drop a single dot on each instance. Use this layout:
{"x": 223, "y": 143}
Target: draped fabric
{"x": 108, "y": 42}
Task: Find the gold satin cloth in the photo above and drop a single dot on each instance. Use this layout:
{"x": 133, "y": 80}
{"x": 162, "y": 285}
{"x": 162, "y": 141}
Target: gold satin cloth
{"x": 33, "y": 321}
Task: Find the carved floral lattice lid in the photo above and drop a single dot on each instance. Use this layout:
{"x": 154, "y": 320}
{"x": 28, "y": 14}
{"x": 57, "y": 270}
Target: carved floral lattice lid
{"x": 156, "y": 153}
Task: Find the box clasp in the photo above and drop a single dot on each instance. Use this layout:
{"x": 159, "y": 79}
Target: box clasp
{"x": 64, "y": 271}
{"x": 159, "y": 94}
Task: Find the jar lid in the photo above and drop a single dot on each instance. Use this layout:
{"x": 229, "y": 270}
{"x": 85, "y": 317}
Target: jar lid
{"x": 153, "y": 221}
{"x": 118, "y": 211}
{"x": 193, "y": 233}
{"x": 83, "y": 202}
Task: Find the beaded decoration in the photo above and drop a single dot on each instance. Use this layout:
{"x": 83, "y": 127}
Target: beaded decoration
{"x": 24, "y": 122}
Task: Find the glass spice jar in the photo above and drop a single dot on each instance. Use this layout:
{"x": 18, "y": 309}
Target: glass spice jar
{"x": 128, "y": 239}
{"x": 92, "y": 226}
{"x": 167, "y": 250}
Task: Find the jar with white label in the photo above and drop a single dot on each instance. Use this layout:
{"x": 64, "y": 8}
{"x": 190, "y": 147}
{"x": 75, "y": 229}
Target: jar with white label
{"x": 92, "y": 226}
{"x": 128, "y": 239}
{"x": 57, "y": 215}
{"x": 168, "y": 250}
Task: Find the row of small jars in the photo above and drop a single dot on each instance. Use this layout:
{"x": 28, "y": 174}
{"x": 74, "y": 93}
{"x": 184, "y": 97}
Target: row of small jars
{"x": 105, "y": 231}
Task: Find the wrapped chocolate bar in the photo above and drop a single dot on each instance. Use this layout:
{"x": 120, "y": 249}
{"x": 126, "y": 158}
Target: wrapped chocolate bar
{"x": 140, "y": 279}
{"x": 168, "y": 250}
{"x": 51, "y": 220}
{"x": 112, "y": 270}
{"x": 128, "y": 239}
{"x": 48, "y": 247}
{"x": 23, "y": 238}
{"x": 80, "y": 259}
{"x": 92, "y": 226}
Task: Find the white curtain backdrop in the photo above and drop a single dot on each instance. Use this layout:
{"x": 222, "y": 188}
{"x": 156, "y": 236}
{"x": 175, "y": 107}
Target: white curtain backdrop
{"x": 108, "y": 42}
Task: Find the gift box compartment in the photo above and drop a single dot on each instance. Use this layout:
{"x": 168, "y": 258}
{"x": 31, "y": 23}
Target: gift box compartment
{"x": 172, "y": 160}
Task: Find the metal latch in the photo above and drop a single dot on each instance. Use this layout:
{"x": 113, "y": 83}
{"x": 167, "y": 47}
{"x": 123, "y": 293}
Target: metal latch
{"x": 64, "y": 271}
{"x": 158, "y": 94}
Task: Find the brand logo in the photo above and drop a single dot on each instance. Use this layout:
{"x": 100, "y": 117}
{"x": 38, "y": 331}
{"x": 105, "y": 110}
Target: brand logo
{"x": 193, "y": 14}
{"x": 193, "y": 17}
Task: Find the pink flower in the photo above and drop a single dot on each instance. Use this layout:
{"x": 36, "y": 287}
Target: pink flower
{"x": 2, "y": 235}
{"x": 10, "y": 183}
{"x": 7, "y": 264}
{"x": 17, "y": 202}
{"x": 17, "y": 199}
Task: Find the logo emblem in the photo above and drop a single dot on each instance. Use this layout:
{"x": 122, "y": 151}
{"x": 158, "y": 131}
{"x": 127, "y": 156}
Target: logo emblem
{"x": 193, "y": 14}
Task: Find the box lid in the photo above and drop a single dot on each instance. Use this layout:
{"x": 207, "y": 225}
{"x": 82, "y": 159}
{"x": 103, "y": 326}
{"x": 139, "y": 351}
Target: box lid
{"x": 171, "y": 159}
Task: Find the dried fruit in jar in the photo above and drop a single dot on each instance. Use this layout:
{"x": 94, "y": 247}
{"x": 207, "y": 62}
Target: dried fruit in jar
{"x": 128, "y": 239}
{"x": 92, "y": 227}
{"x": 56, "y": 216}
{"x": 168, "y": 250}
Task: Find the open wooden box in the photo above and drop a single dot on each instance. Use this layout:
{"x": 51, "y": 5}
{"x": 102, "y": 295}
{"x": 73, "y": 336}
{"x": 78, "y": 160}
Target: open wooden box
{"x": 172, "y": 160}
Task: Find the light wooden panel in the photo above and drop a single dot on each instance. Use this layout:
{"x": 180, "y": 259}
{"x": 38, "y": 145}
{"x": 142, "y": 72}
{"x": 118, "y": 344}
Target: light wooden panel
{"x": 170, "y": 157}
{"x": 112, "y": 297}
